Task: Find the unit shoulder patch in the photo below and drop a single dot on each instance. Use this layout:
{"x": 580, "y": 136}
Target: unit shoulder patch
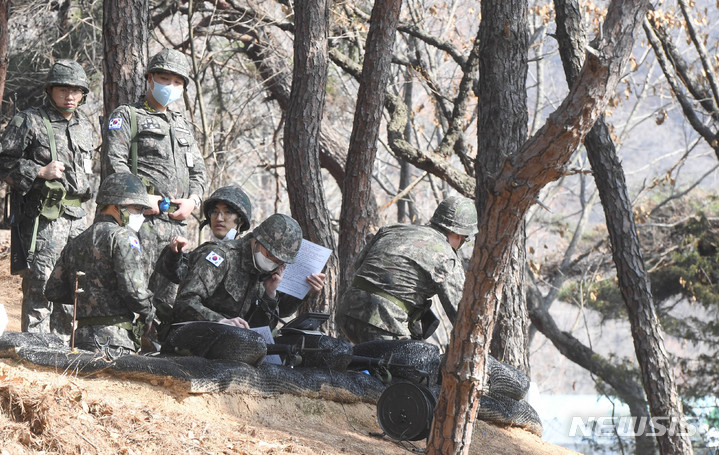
{"x": 115, "y": 123}
{"x": 214, "y": 259}
{"x": 134, "y": 242}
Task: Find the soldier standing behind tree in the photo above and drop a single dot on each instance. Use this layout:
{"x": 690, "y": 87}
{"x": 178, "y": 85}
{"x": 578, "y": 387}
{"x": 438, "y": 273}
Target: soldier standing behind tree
{"x": 46, "y": 159}
{"x": 157, "y": 144}
{"x": 109, "y": 255}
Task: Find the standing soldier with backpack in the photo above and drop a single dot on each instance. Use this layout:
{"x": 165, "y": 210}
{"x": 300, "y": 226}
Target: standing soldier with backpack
{"x": 157, "y": 144}
{"x": 46, "y": 159}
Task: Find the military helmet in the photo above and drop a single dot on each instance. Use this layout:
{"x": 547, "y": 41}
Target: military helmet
{"x": 236, "y": 199}
{"x": 122, "y": 189}
{"x": 281, "y": 235}
{"x": 170, "y": 61}
{"x": 456, "y": 214}
{"x": 67, "y": 72}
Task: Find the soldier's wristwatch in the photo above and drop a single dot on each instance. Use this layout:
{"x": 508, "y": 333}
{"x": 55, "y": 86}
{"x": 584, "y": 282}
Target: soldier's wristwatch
{"x": 197, "y": 200}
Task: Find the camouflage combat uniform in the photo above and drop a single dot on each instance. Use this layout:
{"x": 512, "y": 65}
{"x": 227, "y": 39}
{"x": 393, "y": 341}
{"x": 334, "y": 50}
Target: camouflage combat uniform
{"x": 174, "y": 264}
{"x": 114, "y": 285}
{"x": 223, "y": 283}
{"x": 398, "y": 272}
{"x": 26, "y": 149}
{"x": 170, "y": 162}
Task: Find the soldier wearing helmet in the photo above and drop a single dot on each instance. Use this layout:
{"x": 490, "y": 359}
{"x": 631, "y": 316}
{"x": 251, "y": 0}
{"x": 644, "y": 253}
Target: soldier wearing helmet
{"x": 106, "y": 259}
{"x": 157, "y": 144}
{"x": 228, "y": 211}
{"x": 235, "y": 282}
{"x": 401, "y": 269}
{"x": 46, "y": 159}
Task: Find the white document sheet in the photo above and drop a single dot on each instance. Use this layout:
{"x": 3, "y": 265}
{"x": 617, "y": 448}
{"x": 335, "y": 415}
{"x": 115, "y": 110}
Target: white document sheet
{"x": 310, "y": 259}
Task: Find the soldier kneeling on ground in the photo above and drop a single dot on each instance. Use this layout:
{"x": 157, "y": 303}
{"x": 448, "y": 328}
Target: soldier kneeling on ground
{"x": 115, "y": 308}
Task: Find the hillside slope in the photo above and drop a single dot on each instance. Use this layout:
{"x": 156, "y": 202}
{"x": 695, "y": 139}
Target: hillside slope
{"x": 62, "y": 412}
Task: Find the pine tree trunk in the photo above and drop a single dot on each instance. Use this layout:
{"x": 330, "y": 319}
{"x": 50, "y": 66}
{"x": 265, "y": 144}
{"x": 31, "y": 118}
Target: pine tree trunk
{"x": 510, "y": 337}
{"x": 657, "y": 374}
{"x": 358, "y": 217}
{"x": 4, "y": 43}
{"x": 503, "y": 197}
{"x": 125, "y": 32}
{"x": 301, "y": 140}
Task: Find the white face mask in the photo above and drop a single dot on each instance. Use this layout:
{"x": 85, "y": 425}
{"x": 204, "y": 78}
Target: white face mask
{"x": 264, "y": 264}
{"x": 135, "y": 221}
{"x": 229, "y": 236}
{"x": 166, "y": 94}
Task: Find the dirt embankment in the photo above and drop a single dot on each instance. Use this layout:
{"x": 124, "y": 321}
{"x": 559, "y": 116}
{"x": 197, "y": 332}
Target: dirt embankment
{"x": 58, "y": 412}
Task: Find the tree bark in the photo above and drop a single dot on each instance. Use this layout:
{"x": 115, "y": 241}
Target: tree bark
{"x": 125, "y": 32}
{"x": 504, "y": 197}
{"x": 261, "y": 47}
{"x": 4, "y": 45}
{"x": 657, "y": 374}
{"x": 301, "y": 140}
{"x": 510, "y": 338}
{"x": 358, "y": 217}
{"x": 620, "y": 380}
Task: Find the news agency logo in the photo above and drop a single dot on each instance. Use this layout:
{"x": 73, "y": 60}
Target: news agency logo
{"x": 606, "y": 426}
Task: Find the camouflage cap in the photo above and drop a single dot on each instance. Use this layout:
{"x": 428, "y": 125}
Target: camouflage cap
{"x": 170, "y": 61}
{"x": 456, "y": 214}
{"x": 236, "y": 199}
{"x": 67, "y": 72}
{"x": 122, "y": 189}
{"x": 281, "y": 235}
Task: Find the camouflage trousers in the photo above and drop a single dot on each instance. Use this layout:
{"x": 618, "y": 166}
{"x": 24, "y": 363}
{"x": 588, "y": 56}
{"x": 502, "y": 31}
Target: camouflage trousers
{"x": 91, "y": 337}
{"x": 155, "y": 234}
{"x": 38, "y": 314}
{"x": 363, "y": 316}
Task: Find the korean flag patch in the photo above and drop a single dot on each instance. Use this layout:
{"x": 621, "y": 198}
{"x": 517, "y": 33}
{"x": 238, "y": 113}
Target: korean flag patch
{"x": 134, "y": 242}
{"x": 115, "y": 124}
{"x": 214, "y": 259}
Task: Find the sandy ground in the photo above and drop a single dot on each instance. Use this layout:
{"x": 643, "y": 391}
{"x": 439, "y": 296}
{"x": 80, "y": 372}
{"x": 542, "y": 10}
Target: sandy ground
{"x": 46, "y": 411}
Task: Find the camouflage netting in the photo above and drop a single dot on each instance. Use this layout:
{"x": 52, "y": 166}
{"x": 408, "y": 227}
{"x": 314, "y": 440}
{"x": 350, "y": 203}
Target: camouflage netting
{"x": 404, "y": 357}
{"x": 502, "y": 410}
{"x": 320, "y": 375}
{"x": 503, "y": 400}
{"x": 195, "y": 374}
{"x": 322, "y": 351}
{"x": 216, "y": 342}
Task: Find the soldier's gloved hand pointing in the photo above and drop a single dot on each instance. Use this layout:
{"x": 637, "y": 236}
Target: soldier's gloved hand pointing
{"x": 179, "y": 244}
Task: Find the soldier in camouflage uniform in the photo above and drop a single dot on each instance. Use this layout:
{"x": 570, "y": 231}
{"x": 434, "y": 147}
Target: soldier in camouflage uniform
{"x": 114, "y": 282}
{"x": 48, "y": 193}
{"x": 401, "y": 269}
{"x": 238, "y": 279}
{"x": 228, "y": 211}
{"x": 235, "y": 282}
{"x": 167, "y": 159}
